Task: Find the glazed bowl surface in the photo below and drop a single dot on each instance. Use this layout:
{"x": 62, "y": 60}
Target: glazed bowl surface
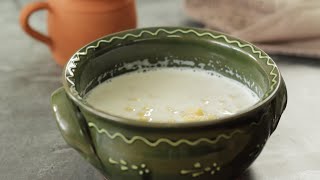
{"x": 123, "y": 148}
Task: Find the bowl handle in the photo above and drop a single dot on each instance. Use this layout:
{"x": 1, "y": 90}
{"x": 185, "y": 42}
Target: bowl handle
{"x": 73, "y": 127}
{"x": 279, "y": 104}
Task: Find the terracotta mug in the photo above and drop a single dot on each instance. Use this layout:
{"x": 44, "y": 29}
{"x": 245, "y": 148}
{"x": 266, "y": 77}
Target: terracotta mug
{"x": 74, "y": 23}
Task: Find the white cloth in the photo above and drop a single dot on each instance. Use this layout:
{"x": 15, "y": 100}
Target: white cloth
{"x": 277, "y": 26}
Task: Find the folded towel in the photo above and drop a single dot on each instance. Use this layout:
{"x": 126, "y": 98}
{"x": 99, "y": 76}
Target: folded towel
{"x": 277, "y": 26}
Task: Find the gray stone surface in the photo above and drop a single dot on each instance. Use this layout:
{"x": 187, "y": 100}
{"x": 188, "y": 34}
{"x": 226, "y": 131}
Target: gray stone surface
{"x": 31, "y": 146}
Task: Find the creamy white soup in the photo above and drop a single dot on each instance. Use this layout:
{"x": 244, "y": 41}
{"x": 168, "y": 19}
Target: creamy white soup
{"x": 171, "y": 95}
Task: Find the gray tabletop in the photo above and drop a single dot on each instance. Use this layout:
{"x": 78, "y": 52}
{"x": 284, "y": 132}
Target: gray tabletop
{"x": 31, "y": 146}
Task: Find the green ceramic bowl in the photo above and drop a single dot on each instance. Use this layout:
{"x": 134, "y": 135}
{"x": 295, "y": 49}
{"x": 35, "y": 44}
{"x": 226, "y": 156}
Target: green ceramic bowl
{"x": 125, "y": 149}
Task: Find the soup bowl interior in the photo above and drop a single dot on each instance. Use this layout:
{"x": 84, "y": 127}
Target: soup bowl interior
{"x": 105, "y": 60}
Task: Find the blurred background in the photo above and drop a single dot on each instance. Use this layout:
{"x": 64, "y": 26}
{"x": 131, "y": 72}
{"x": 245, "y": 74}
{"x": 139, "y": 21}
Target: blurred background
{"x": 31, "y": 146}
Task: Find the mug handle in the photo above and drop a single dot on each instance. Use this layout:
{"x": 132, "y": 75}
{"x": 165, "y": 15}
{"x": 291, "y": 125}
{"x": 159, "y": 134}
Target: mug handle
{"x": 24, "y": 21}
{"x": 72, "y": 126}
